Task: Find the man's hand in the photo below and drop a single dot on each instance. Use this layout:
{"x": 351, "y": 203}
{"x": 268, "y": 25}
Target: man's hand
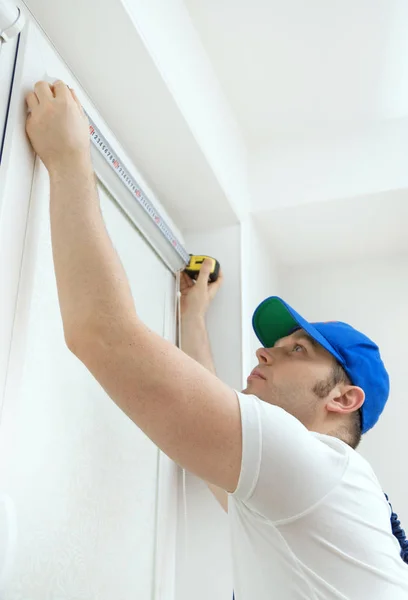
{"x": 57, "y": 125}
{"x": 196, "y": 296}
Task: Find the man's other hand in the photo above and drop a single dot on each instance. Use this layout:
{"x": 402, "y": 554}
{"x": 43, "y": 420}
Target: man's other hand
{"x": 57, "y": 125}
{"x": 196, "y": 296}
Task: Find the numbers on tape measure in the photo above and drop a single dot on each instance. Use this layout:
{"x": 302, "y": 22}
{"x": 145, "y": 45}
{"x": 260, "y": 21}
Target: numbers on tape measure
{"x": 106, "y": 151}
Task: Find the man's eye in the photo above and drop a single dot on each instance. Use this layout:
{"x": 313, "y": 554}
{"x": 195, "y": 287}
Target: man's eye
{"x": 298, "y": 348}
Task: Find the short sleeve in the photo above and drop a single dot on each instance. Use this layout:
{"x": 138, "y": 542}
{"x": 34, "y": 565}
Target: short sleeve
{"x": 285, "y": 469}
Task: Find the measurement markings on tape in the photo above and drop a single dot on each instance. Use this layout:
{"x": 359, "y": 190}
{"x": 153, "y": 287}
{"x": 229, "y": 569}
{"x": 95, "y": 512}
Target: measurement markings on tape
{"x": 118, "y": 167}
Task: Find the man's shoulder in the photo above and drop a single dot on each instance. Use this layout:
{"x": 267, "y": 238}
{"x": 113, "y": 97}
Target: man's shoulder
{"x": 355, "y": 460}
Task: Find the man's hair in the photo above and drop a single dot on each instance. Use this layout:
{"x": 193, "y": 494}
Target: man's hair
{"x": 349, "y": 432}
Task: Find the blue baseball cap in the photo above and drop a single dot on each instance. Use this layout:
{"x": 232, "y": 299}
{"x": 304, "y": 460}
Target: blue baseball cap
{"x": 356, "y": 353}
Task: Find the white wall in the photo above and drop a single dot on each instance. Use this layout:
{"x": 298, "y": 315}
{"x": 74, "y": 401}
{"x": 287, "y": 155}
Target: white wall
{"x": 259, "y": 281}
{"x": 372, "y": 296}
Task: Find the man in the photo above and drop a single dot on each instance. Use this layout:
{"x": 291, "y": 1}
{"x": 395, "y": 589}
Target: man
{"x": 308, "y": 517}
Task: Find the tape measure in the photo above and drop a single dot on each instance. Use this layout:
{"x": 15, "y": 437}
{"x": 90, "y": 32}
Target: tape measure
{"x": 195, "y": 264}
{"x": 102, "y": 145}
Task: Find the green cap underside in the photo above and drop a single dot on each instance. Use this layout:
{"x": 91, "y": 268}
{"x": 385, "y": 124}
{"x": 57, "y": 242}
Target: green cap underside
{"x": 272, "y": 321}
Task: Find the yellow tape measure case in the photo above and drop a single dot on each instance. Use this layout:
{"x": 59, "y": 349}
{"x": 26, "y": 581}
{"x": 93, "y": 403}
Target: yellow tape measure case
{"x": 195, "y": 264}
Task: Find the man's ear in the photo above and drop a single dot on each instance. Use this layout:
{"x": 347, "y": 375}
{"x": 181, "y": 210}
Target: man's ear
{"x": 345, "y": 399}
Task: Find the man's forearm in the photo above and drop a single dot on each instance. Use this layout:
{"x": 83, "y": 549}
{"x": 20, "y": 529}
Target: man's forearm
{"x": 195, "y": 341}
{"x": 92, "y": 283}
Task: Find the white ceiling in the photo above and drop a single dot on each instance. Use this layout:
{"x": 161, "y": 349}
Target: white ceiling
{"x": 339, "y": 230}
{"x": 289, "y": 69}
{"x": 296, "y": 65}
{"x": 320, "y": 91}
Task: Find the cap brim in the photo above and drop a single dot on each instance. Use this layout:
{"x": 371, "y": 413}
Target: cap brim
{"x": 274, "y": 320}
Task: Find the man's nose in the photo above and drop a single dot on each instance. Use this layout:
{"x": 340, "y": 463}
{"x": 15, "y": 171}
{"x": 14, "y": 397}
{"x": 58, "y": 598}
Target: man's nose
{"x": 265, "y": 356}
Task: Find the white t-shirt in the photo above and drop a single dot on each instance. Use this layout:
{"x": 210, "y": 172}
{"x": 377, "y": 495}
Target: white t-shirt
{"x": 309, "y": 520}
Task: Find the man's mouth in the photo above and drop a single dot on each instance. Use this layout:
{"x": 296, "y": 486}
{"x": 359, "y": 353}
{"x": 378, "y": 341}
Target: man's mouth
{"x": 257, "y": 374}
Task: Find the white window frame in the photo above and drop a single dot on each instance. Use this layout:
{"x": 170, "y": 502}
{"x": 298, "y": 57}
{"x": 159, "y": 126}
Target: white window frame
{"x": 16, "y": 179}
{"x": 8, "y": 53}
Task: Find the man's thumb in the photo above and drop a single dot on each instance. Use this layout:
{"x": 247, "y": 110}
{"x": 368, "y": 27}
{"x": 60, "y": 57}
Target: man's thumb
{"x": 205, "y": 271}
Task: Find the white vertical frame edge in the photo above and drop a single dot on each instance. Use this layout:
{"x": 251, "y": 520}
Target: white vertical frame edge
{"x": 7, "y": 58}
{"x": 167, "y": 496}
{"x": 18, "y": 160}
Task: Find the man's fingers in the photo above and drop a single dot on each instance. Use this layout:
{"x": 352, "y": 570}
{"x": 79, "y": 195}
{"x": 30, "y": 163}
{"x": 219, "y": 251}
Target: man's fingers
{"x": 61, "y": 90}
{"x": 43, "y": 91}
{"x": 215, "y": 285}
{"x": 185, "y": 281}
{"x": 219, "y": 281}
{"x": 75, "y": 97}
{"x": 205, "y": 271}
{"x": 32, "y": 101}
